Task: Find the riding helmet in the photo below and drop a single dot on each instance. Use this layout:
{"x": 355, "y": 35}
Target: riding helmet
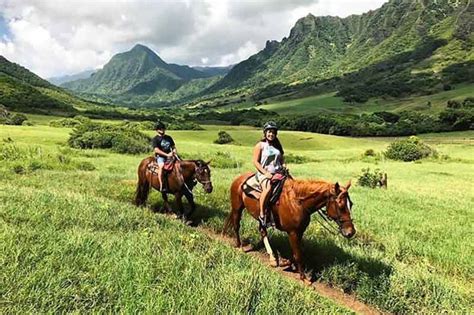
{"x": 270, "y": 125}
{"x": 160, "y": 125}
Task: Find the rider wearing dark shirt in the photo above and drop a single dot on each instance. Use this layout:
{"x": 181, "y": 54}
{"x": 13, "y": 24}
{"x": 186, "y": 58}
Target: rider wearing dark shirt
{"x": 164, "y": 148}
{"x": 164, "y": 142}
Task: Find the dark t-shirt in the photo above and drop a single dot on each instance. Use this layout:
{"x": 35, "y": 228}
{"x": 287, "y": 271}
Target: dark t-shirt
{"x": 164, "y": 143}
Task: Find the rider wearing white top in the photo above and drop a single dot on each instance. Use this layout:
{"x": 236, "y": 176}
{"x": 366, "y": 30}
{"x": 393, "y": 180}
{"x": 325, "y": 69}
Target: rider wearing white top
{"x": 268, "y": 158}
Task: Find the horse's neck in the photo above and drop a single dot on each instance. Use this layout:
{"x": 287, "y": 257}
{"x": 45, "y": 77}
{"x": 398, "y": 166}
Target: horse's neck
{"x": 188, "y": 168}
{"x": 311, "y": 194}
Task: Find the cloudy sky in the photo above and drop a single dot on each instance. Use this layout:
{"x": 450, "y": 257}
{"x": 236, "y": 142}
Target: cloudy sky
{"x": 57, "y": 37}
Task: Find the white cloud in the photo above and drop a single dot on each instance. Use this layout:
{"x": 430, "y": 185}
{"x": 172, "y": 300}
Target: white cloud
{"x": 54, "y": 37}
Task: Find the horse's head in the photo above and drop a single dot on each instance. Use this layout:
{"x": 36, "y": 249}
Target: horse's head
{"x": 203, "y": 175}
{"x": 339, "y": 208}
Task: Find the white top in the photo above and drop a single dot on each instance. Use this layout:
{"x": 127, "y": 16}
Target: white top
{"x": 270, "y": 158}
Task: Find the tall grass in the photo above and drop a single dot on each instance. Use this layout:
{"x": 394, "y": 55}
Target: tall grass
{"x": 71, "y": 241}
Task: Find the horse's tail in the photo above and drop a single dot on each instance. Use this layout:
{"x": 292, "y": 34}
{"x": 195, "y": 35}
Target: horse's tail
{"x": 143, "y": 186}
{"x": 232, "y": 221}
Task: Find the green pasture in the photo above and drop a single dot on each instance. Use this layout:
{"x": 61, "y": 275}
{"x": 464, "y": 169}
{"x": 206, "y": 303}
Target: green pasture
{"x": 329, "y": 103}
{"x": 72, "y": 242}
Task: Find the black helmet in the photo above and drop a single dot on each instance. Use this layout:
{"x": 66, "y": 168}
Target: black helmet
{"x": 270, "y": 125}
{"x": 159, "y": 125}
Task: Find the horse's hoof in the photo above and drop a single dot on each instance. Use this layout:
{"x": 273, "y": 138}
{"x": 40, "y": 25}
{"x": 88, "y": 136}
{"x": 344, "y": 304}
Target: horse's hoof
{"x": 274, "y": 262}
{"x": 307, "y": 281}
{"x": 247, "y": 248}
{"x": 187, "y": 222}
{"x": 283, "y": 262}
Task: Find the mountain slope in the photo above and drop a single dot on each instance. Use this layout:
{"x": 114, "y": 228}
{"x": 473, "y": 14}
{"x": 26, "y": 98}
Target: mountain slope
{"x": 68, "y": 78}
{"x": 23, "y": 90}
{"x": 421, "y": 36}
{"x": 136, "y": 75}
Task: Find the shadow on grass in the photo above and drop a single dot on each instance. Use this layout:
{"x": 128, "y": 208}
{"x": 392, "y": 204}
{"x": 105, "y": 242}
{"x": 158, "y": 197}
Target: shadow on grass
{"x": 323, "y": 257}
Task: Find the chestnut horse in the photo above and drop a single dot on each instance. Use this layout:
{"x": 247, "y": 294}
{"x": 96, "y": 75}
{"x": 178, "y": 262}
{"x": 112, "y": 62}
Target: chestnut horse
{"x": 181, "y": 181}
{"x": 299, "y": 199}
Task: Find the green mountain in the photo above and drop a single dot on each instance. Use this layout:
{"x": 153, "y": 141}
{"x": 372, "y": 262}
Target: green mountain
{"x": 420, "y": 43}
{"x": 73, "y": 77}
{"x": 23, "y": 90}
{"x": 135, "y": 76}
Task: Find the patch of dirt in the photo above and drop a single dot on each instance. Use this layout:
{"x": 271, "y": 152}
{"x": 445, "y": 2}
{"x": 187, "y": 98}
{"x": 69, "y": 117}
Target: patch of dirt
{"x": 338, "y": 296}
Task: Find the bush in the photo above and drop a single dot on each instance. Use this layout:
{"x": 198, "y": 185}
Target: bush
{"x": 17, "y": 119}
{"x": 223, "y": 138}
{"x": 296, "y": 159}
{"x": 369, "y": 179}
{"x": 7, "y": 118}
{"x": 124, "y": 143}
{"x": 121, "y": 138}
{"x": 85, "y": 166}
{"x": 369, "y": 152}
{"x": 64, "y": 123}
{"x": 410, "y": 149}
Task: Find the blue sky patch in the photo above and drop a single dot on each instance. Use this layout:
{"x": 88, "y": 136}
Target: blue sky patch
{"x": 3, "y": 28}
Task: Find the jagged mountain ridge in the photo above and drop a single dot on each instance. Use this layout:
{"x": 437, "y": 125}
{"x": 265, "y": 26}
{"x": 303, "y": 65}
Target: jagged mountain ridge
{"x": 325, "y": 47}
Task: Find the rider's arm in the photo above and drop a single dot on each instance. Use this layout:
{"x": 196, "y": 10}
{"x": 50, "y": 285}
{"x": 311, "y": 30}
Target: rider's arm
{"x": 257, "y": 151}
{"x": 173, "y": 147}
{"x": 161, "y": 153}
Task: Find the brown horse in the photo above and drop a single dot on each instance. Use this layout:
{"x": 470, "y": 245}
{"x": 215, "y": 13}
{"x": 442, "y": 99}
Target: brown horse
{"x": 299, "y": 199}
{"x": 181, "y": 181}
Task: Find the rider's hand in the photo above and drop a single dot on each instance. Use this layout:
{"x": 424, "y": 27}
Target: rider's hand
{"x": 170, "y": 154}
{"x": 268, "y": 175}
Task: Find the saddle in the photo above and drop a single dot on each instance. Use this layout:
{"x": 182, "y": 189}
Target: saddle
{"x": 168, "y": 168}
{"x": 251, "y": 187}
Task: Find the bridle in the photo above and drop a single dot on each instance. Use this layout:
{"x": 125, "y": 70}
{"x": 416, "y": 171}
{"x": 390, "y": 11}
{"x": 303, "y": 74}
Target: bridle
{"x": 323, "y": 213}
{"x": 199, "y": 170}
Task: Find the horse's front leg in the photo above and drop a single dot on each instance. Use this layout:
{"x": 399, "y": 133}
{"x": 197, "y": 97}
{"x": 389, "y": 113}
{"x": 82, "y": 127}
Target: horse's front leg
{"x": 295, "y": 242}
{"x": 189, "y": 196}
{"x": 268, "y": 247}
{"x": 181, "y": 212}
{"x": 166, "y": 205}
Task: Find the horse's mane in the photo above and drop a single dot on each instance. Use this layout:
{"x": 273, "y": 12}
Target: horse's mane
{"x": 305, "y": 187}
{"x": 198, "y": 162}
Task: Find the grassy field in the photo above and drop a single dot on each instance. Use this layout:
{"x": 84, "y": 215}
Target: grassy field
{"x": 72, "y": 241}
{"x": 329, "y": 103}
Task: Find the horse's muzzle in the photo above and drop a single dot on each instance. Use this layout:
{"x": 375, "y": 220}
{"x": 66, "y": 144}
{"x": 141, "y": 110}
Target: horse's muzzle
{"x": 208, "y": 188}
{"x": 348, "y": 232}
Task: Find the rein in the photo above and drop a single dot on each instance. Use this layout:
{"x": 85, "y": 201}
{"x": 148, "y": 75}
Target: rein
{"x": 326, "y": 223}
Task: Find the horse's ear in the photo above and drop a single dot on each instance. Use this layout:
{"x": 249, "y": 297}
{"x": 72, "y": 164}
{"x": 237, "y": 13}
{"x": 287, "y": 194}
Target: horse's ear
{"x": 337, "y": 188}
{"x": 208, "y": 162}
{"x": 348, "y": 185}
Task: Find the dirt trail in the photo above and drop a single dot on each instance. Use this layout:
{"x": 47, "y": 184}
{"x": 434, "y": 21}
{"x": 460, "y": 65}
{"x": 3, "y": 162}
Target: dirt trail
{"x": 339, "y": 297}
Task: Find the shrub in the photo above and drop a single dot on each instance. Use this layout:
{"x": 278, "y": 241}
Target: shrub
{"x": 369, "y": 152}
{"x": 296, "y": 159}
{"x": 85, "y": 166}
{"x": 125, "y": 143}
{"x": 223, "y": 138}
{"x": 369, "y": 179}
{"x": 410, "y": 149}
{"x": 18, "y": 169}
{"x": 17, "y": 119}
{"x": 64, "y": 123}
{"x": 7, "y": 118}
{"x": 121, "y": 138}
{"x": 224, "y": 160}
{"x": 82, "y": 119}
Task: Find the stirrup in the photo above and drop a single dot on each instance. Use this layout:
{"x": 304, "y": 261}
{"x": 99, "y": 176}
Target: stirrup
{"x": 262, "y": 221}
